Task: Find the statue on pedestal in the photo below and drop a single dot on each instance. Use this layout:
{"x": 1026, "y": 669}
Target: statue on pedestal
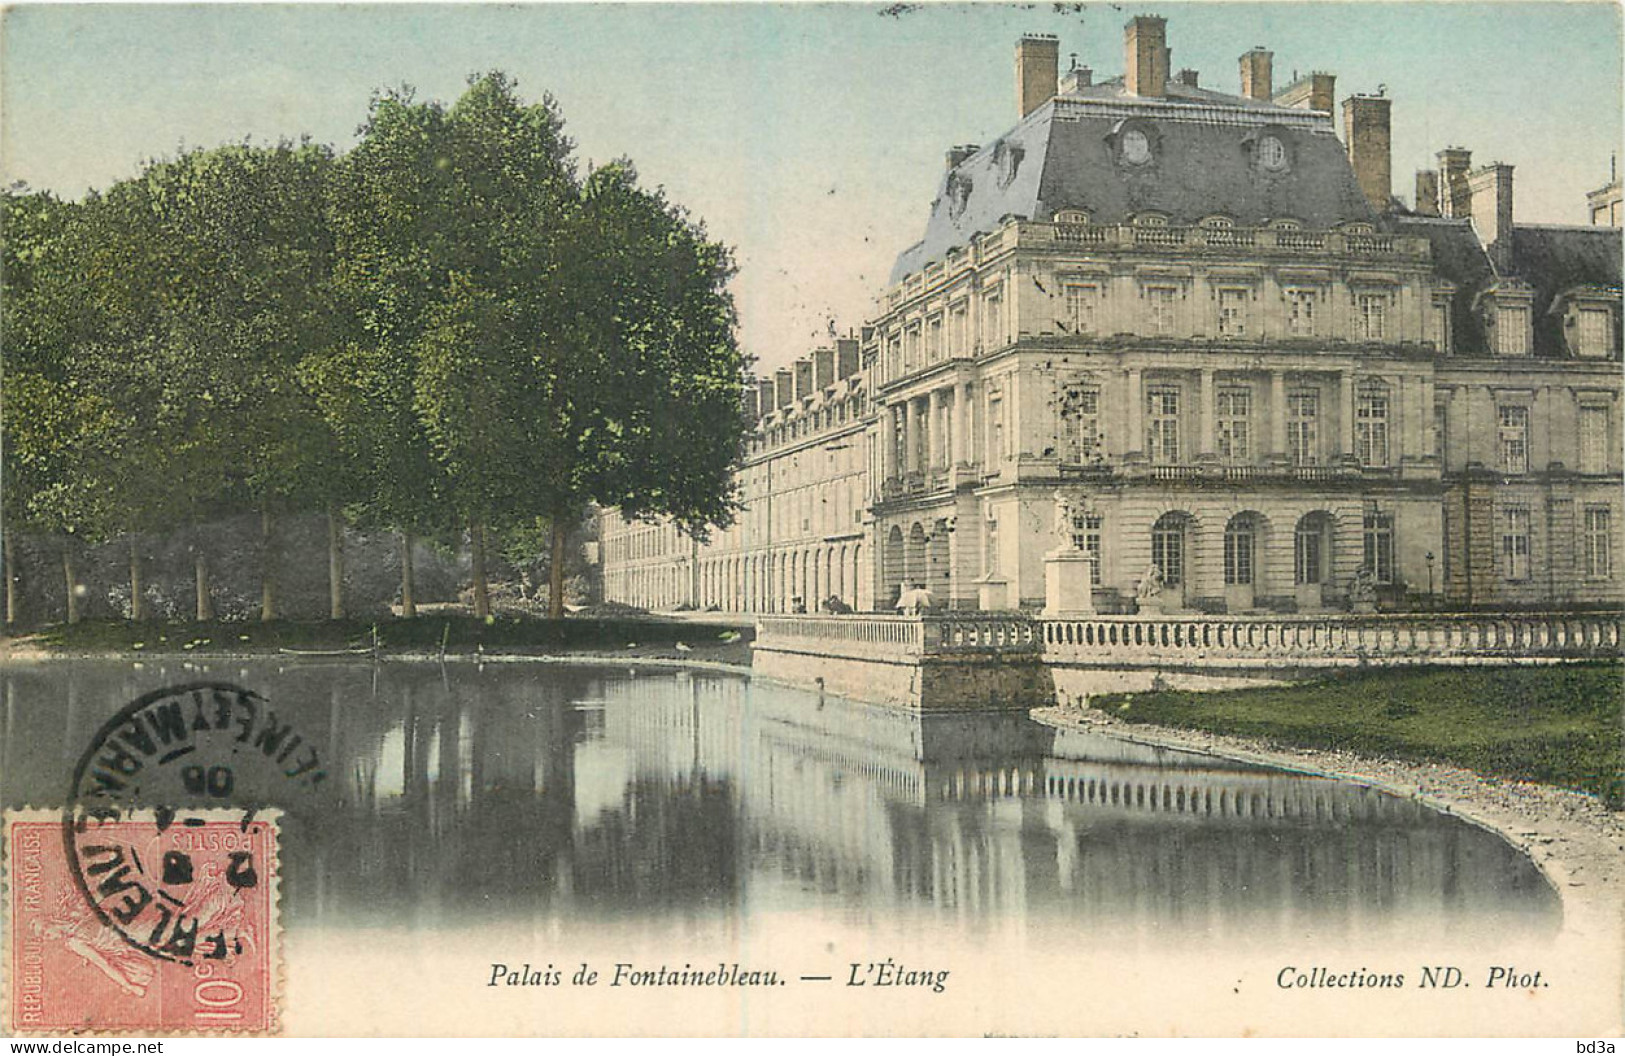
{"x": 1150, "y": 588}
{"x": 1065, "y": 528}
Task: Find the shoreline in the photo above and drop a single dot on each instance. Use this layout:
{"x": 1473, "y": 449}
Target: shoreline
{"x": 1577, "y": 843}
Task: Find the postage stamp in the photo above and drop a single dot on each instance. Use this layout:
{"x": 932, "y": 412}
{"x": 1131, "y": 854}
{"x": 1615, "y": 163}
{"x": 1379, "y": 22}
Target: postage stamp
{"x": 149, "y": 922}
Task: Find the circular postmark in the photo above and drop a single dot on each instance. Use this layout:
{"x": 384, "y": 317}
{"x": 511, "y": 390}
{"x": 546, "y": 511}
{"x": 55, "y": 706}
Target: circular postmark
{"x": 164, "y": 832}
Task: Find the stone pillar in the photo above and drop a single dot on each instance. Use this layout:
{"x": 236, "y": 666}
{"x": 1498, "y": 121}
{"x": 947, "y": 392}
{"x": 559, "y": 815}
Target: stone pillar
{"x": 936, "y": 403}
{"x": 1345, "y": 425}
{"x": 1068, "y": 584}
{"x": 961, "y": 422}
{"x": 888, "y": 444}
{"x": 1278, "y": 413}
{"x": 1136, "y": 410}
{"x": 1207, "y": 448}
{"x": 906, "y": 463}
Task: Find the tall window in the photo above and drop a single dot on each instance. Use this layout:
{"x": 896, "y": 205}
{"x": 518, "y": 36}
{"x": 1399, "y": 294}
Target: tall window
{"x": 1163, "y": 424}
{"x": 1240, "y": 548}
{"x": 959, "y": 332}
{"x": 1089, "y": 543}
{"x": 1300, "y": 308}
{"x": 1515, "y": 542}
{"x": 1309, "y": 550}
{"x": 1513, "y": 430}
{"x": 1303, "y": 427}
{"x": 1441, "y": 434}
{"x": 1081, "y": 303}
{"x": 1593, "y": 439}
{"x": 1593, "y": 329}
{"x": 1599, "y": 542}
{"x": 1512, "y": 331}
{"x": 1161, "y": 303}
{"x": 1371, "y": 425}
{"x": 1232, "y": 313}
{"x": 1235, "y": 409}
{"x": 1080, "y": 423}
{"x": 894, "y": 356}
{"x": 1371, "y": 310}
{"x": 1168, "y": 549}
{"x": 1379, "y": 547}
{"x": 993, "y": 315}
{"x": 911, "y": 347}
{"x": 933, "y": 338}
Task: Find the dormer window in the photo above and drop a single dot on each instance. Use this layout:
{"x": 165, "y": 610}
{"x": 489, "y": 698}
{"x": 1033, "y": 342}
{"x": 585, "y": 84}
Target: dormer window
{"x": 1512, "y": 330}
{"x": 1136, "y": 147}
{"x": 1594, "y": 329}
{"x": 1072, "y": 216}
{"x": 1272, "y": 154}
{"x": 1218, "y": 223}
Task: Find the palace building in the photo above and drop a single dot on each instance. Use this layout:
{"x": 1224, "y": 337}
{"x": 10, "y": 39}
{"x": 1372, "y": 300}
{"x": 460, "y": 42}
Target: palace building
{"x": 1201, "y": 323}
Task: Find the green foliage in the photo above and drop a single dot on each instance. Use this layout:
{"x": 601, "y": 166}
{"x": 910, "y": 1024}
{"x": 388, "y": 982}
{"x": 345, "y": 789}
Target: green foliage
{"x": 1558, "y": 724}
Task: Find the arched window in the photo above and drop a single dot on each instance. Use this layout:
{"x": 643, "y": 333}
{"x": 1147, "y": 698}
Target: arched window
{"x": 1168, "y": 547}
{"x": 1240, "y": 550}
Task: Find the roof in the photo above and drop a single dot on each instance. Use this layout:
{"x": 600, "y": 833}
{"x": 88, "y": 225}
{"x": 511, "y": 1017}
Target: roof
{"x": 1552, "y": 260}
{"x": 1555, "y": 260}
{"x": 1068, "y": 154}
{"x": 1459, "y": 258}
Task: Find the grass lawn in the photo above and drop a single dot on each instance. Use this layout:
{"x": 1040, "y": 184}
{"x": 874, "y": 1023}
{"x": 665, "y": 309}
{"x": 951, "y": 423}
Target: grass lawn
{"x": 1560, "y": 724}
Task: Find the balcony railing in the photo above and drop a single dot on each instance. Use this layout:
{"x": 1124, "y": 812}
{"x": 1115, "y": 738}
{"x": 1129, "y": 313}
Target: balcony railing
{"x": 1137, "y": 641}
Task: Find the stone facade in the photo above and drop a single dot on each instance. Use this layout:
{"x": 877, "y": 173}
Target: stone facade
{"x": 1259, "y": 383}
{"x": 801, "y": 537}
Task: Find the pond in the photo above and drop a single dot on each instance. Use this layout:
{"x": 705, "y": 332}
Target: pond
{"x": 508, "y": 805}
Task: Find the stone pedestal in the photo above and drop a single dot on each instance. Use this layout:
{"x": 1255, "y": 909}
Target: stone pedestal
{"x": 1069, "y": 584}
{"x": 993, "y": 594}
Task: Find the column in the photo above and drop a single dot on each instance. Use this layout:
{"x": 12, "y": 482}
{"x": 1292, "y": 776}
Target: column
{"x": 961, "y": 422}
{"x": 1207, "y": 448}
{"x": 888, "y": 444}
{"x": 1278, "y": 413}
{"x": 936, "y": 451}
{"x": 1345, "y": 425}
{"x": 1136, "y": 410}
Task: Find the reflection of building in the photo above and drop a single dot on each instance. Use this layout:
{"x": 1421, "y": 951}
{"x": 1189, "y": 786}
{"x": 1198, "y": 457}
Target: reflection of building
{"x": 1208, "y": 324}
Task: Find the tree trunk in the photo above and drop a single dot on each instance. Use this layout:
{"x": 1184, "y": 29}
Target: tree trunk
{"x": 409, "y": 605}
{"x": 335, "y": 565}
{"x": 205, "y": 607}
{"x": 555, "y": 569}
{"x": 482, "y": 597}
{"x": 72, "y": 580}
{"x": 11, "y": 577}
{"x": 268, "y": 562}
{"x": 138, "y": 607}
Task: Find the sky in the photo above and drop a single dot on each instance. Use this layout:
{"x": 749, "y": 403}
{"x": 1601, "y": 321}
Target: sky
{"x": 809, "y": 137}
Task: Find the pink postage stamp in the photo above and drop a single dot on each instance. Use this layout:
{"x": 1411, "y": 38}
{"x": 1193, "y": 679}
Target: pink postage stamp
{"x": 141, "y": 923}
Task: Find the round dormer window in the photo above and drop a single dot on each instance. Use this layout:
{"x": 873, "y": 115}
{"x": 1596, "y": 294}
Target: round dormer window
{"x": 1136, "y": 147}
{"x": 1271, "y": 154}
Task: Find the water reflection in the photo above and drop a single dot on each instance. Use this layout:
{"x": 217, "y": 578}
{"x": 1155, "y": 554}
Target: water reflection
{"x": 580, "y": 795}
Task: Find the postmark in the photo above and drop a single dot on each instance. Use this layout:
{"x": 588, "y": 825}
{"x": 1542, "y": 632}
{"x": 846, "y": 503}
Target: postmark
{"x": 171, "y": 928}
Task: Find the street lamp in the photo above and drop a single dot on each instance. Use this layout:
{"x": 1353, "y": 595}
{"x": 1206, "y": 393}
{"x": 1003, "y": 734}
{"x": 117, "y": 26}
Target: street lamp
{"x": 1428, "y": 557}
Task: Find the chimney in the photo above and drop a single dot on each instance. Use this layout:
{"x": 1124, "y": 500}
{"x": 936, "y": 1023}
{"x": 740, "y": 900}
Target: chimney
{"x": 804, "y": 378}
{"x": 1077, "y": 77}
{"x": 1491, "y": 208}
{"x": 824, "y": 368}
{"x": 764, "y": 397}
{"x": 1256, "y": 70}
{"x": 1455, "y": 196}
{"x": 1366, "y": 132}
{"x": 1145, "y": 44}
{"x": 784, "y": 388}
{"x": 1038, "y": 66}
{"x": 956, "y": 155}
{"x": 1188, "y": 78}
{"x": 846, "y": 353}
{"x": 1318, "y": 91}
{"x": 1427, "y": 192}
{"x": 747, "y": 403}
